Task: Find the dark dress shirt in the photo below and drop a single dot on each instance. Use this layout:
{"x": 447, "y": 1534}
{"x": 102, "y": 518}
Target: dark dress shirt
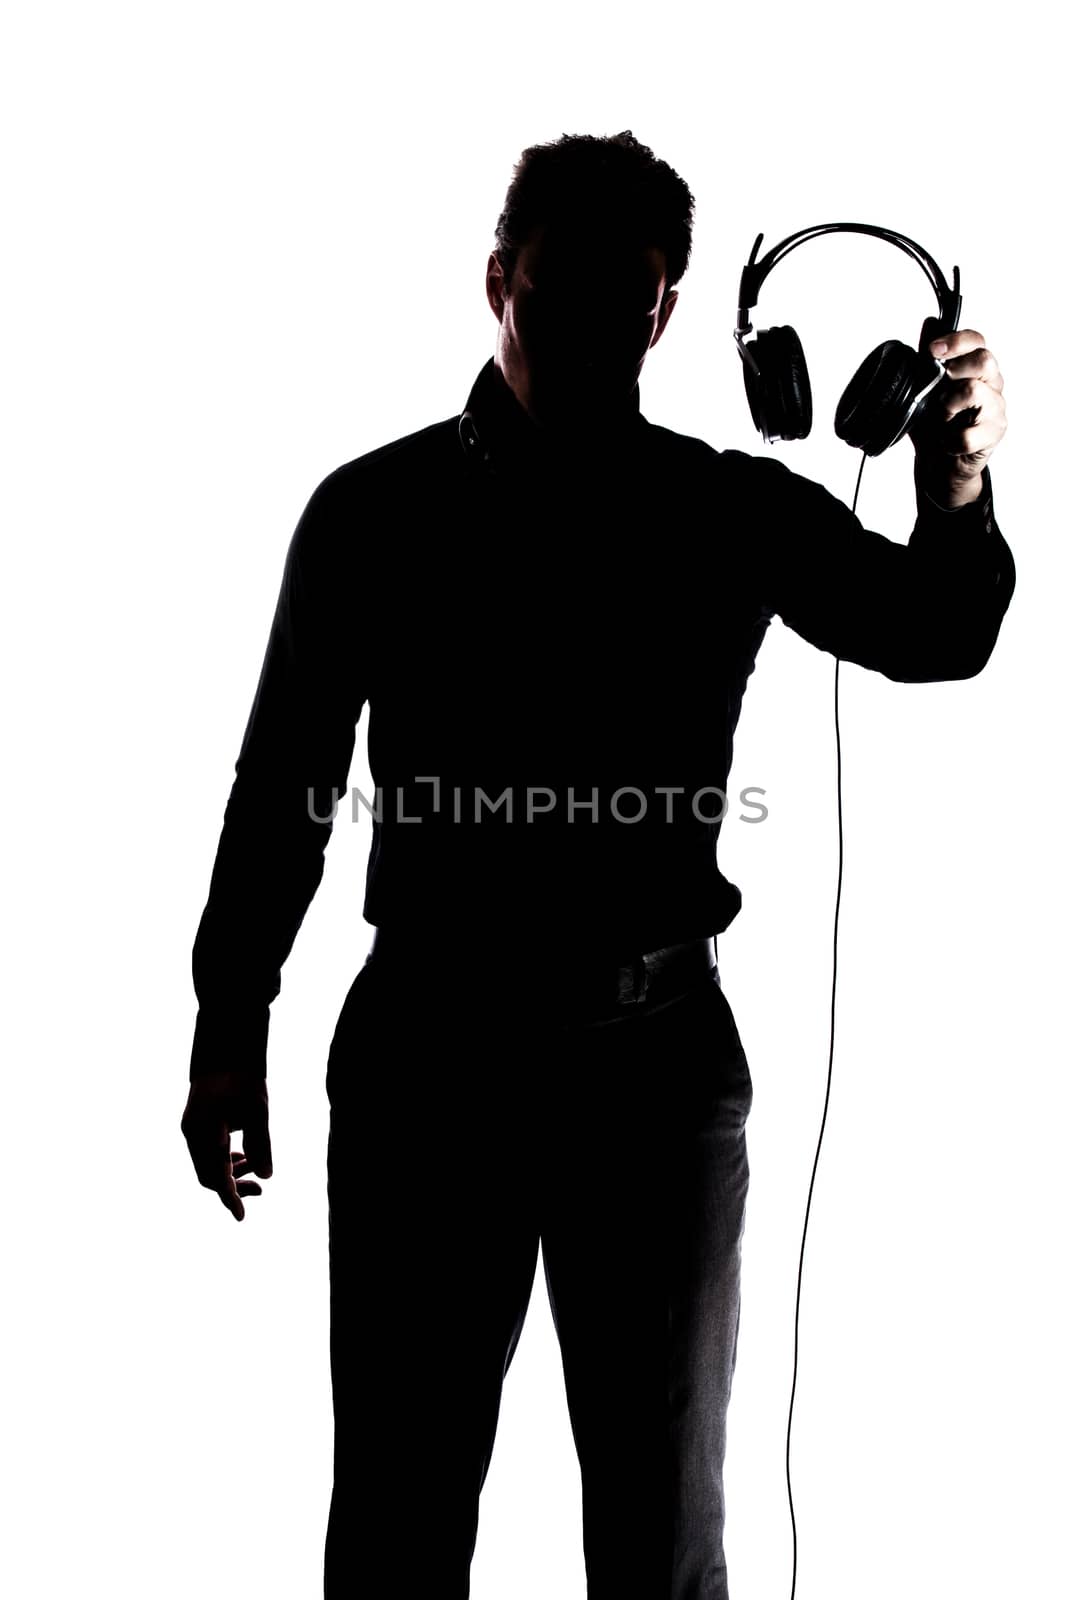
{"x": 568, "y": 625}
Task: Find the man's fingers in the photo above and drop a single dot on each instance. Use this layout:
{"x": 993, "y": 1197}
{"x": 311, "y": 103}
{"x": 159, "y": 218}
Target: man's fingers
{"x": 219, "y": 1103}
{"x": 969, "y": 393}
{"x": 209, "y": 1147}
{"x": 208, "y": 1138}
{"x": 241, "y": 1166}
{"x": 207, "y": 1122}
{"x": 947, "y": 346}
{"x": 978, "y": 419}
{"x": 968, "y": 357}
{"x": 256, "y": 1130}
{"x": 977, "y": 365}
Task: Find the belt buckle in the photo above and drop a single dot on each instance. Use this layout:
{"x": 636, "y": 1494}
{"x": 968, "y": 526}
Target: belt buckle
{"x": 633, "y": 984}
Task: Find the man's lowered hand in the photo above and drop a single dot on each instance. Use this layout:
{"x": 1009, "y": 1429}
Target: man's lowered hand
{"x": 219, "y": 1103}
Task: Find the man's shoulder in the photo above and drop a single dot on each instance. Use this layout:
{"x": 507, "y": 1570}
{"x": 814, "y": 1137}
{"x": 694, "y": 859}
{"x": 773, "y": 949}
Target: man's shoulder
{"x": 735, "y": 470}
{"x": 437, "y": 448}
{"x": 689, "y": 449}
{"x": 390, "y": 485}
{"x": 393, "y": 462}
{"x": 681, "y": 443}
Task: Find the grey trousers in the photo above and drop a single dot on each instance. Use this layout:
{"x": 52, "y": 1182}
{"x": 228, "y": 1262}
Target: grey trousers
{"x": 464, "y": 1134}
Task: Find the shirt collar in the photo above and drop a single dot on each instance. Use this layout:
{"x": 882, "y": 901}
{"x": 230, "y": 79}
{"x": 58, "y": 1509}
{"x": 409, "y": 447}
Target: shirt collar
{"x": 498, "y": 433}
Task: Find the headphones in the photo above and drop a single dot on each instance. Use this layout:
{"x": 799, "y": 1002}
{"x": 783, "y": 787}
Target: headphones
{"x": 889, "y": 393}
{"x": 884, "y": 401}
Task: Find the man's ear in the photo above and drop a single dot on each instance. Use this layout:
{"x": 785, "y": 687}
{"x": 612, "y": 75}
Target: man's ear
{"x": 494, "y": 286}
{"x": 665, "y": 314}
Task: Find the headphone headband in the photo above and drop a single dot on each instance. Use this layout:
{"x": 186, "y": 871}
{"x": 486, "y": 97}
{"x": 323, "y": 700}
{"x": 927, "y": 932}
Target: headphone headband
{"x": 754, "y": 272}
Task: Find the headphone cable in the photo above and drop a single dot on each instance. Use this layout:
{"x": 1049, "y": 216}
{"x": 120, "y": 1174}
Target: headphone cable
{"x": 829, "y": 1070}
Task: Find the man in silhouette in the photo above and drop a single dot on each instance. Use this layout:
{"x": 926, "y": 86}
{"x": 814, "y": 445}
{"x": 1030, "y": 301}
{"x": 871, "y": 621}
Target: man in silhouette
{"x": 551, "y": 607}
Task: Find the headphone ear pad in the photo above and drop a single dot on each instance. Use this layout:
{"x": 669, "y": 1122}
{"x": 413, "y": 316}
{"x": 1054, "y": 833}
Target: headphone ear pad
{"x": 876, "y": 407}
{"x": 780, "y": 398}
{"x": 753, "y": 382}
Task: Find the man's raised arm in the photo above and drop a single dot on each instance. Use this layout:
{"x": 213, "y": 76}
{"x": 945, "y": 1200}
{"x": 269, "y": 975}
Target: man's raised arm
{"x": 925, "y": 611}
{"x": 921, "y": 612}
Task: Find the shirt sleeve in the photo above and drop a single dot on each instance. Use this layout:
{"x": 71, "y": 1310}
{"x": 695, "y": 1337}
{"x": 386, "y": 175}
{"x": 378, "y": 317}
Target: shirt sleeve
{"x": 928, "y": 610}
{"x": 292, "y": 767}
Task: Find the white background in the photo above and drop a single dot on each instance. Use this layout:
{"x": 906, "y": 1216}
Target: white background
{"x": 247, "y": 243}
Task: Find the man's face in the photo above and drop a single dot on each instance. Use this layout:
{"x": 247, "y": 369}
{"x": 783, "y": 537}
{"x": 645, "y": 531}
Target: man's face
{"x": 581, "y": 316}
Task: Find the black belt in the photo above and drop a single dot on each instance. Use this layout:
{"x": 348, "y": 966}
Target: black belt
{"x": 544, "y": 971}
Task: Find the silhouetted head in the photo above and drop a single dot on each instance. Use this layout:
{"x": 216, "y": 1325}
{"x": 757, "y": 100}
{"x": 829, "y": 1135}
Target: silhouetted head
{"x": 594, "y": 235}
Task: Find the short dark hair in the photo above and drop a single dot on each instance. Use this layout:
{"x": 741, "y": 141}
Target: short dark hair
{"x": 612, "y": 179}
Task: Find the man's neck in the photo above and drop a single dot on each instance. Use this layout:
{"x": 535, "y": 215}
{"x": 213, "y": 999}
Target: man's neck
{"x": 595, "y": 428}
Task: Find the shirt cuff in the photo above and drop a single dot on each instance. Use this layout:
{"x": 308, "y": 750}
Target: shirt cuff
{"x": 230, "y": 1040}
{"x": 978, "y": 513}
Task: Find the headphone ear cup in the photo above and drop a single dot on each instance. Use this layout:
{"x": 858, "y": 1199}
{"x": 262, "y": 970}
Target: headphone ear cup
{"x": 754, "y": 383}
{"x": 878, "y": 405}
{"x": 780, "y": 398}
